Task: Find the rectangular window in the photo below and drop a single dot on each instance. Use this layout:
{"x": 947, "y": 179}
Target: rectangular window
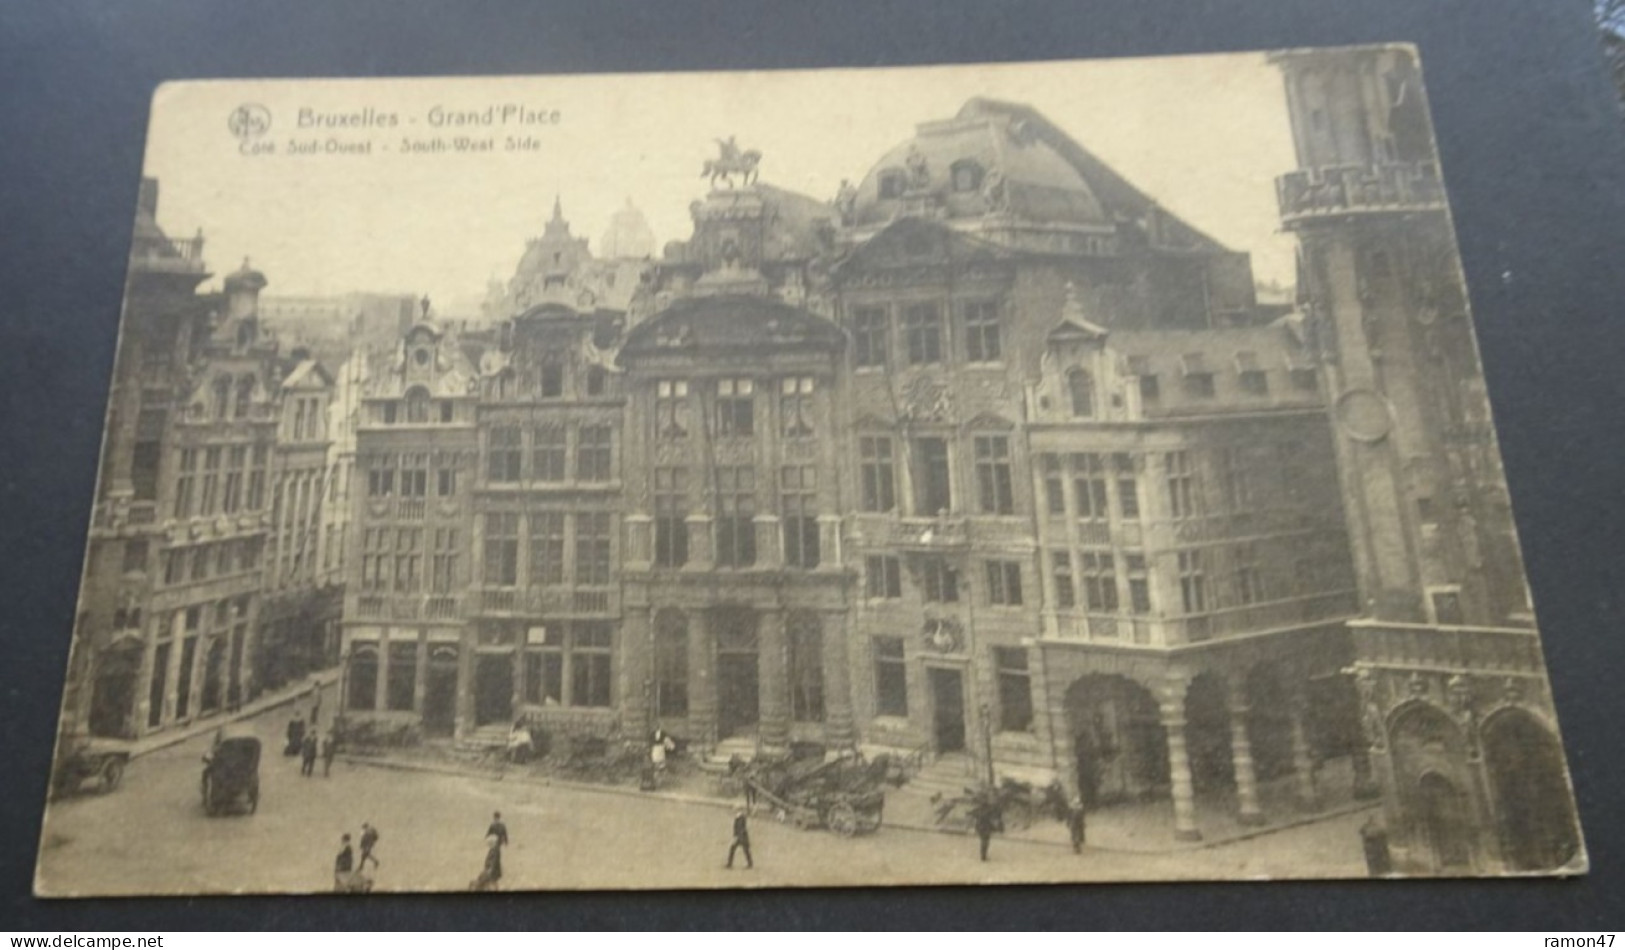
{"x": 546, "y": 547}
{"x": 671, "y": 409}
{"x": 736, "y": 408}
{"x": 798, "y": 513}
{"x": 1126, "y": 469}
{"x": 211, "y": 476}
{"x": 1139, "y": 583}
{"x": 1089, "y": 486}
{"x": 1192, "y": 582}
{"x": 1054, "y": 485}
{"x": 1100, "y": 582}
{"x": 870, "y": 330}
{"x": 1235, "y": 480}
{"x": 590, "y": 663}
{"x": 552, "y": 378}
{"x": 135, "y": 556}
{"x": 1181, "y": 484}
{"x": 503, "y": 453}
{"x": 891, "y": 677}
{"x": 883, "y": 577}
{"x": 256, "y": 478}
{"x": 982, "y": 332}
{"x": 443, "y": 570}
{"x": 380, "y": 482}
{"x": 1015, "y": 689}
{"x": 501, "y": 549}
{"x": 1250, "y": 375}
{"x": 415, "y": 476}
{"x": 993, "y": 481}
{"x": 922, "y": 333}
{"x": 1066, "y": 594}
{"x": 940, "y": 581}
{"x": 183, "y": 483}
{"x": 736, "y": 513}
{"x": 544, "y": 666}
{"x": 1249, "y": 582}
{"x": 671, "y": 514}
{"x": 796, "y": 406}
{"x": 174, "y": 567}
{"x": 547, "y": 454}
{"x": 200, "y": 562}
{"x": 236, "y": 465}
{"x": 1447, "y": 607}
{"x": 1004, "y": 583}
{"x": 1198, "y": 382}
{"x": 595, "y": 455}
{"x": 593, "y": 533}
{"x": 806, "y": 669}
{"x": 877, "y": 472}
{"x": 408, "y": 560}
{"x": 445, "y": 483}
{"x": 934, "y": 492}
{"x": 375, "y": 560}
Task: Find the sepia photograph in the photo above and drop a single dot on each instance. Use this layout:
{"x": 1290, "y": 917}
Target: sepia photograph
{"x": 1074, "y": 471}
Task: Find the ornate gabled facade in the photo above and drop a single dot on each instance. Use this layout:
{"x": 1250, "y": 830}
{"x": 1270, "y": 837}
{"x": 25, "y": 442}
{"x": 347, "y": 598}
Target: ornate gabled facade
{"x": 1455, "y": 700}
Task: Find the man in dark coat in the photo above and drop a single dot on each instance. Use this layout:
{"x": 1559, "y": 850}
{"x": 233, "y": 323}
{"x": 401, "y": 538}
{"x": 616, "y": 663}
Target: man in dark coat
{"x": 741, "y": 839}
{"x": 1075, "y": 824}
{"x": 986, "y": 820}
{"x": 296, "y": 735}
{"x": 343, "y": 864}
{"x": 369, "y": 840}
{"x": 498, "y": 830}
{"x": 307, "y": 752}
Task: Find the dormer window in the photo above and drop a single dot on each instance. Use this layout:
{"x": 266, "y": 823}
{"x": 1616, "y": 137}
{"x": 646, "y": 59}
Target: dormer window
{"x": 1080, "y": 388}
{"x": 552, "y": 379}
{"x": 1198, "y": 377}
{"x": 966, "y": 175}
{"x": 893, "y": 182}
{"x": 417, "y": 405}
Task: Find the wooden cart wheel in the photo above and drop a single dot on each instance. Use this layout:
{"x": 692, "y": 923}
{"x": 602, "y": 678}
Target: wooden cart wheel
{"x": 842, "y": 819}
{"x": 112, "y": 774}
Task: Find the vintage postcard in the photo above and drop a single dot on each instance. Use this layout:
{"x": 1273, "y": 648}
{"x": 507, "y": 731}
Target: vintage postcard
{"x": 1051, "y": 472}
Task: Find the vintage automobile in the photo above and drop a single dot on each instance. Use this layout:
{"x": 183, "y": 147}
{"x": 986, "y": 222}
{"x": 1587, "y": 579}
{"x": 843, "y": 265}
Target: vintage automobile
{"x": 85, "y": 760}
{"x": 231, "y": 775}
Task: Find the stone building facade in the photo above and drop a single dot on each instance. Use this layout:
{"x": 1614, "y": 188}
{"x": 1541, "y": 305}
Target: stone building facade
{"x": 1455, "y": 701}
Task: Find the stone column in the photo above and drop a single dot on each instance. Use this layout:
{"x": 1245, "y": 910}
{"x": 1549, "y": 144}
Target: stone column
{"x": 702, "y": 675}
{"x": 1179, "y": 765}
{"x": 420, "y": 675}
{"x": 633, "y": 652}
{"x": 1241, "y": 757}
{"x": 380, "y": 692}
{"x": 1303, "y": 763}
{"x": 773, "y": 729}
{"x": 839, "y": 729}
{"x": 830, "y": 555}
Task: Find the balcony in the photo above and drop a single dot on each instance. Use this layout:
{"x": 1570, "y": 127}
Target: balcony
{"x": 1259, "y": 618}
{"x": 411, "y": 509}
{"x": 1320, "y": 193}
{"x": 184, "y": 256}
{"x": 1508, "y": 650}
{"x": 929, "y": 534}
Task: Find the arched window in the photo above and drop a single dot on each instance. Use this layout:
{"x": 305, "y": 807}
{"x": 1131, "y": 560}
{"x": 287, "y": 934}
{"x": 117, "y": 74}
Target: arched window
{"x": 417, "y": 405}
{"x": 1080, "y": 386}
{"x": 222, "y": 396}
{"x": 893, "y": 182}
{"x": 245, "y": 396}
{"x": 967, "y": 175}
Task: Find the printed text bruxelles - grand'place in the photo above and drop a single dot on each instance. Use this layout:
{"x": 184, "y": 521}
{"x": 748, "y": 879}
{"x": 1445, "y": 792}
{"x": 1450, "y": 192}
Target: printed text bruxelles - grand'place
{"x": 438, "y": 116}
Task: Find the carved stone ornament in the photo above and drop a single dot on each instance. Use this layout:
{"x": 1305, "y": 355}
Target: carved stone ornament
{"x": 944, "y": 635}
{"x": 927, "y": 400}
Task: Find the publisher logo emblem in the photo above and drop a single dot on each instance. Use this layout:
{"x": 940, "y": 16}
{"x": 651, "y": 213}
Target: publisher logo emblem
{"x": 249, "y": 121}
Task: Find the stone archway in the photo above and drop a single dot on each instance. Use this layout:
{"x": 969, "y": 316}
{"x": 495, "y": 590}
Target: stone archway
{"x": 1534, "y": 809}
{"x": 1119, "y": 745}
{"x": 1270, "y": 713}
{"x": 1429, "y": 755}
{"x": 1208, "y": 734}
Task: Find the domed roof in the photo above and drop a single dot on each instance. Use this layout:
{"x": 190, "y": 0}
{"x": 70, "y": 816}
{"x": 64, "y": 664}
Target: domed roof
{"x": 975, "y": 164}
{"x": 245, "y": 278}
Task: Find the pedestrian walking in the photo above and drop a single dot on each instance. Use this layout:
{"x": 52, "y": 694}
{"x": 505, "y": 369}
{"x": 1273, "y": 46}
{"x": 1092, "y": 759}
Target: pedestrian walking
{"x": 1075, "y": 824}
{"x": 296, "y": 735}
{"x": 329, "y": 749}
{"x": 369, "y": 840}
{"x": 491, "y": 873}
{"x": 741, "y": 839}
{"x": 343, "y": 865}
{"x": 986, "y": 820}
{"x": 307, "y": 755}
{"x": 498, "y": 830}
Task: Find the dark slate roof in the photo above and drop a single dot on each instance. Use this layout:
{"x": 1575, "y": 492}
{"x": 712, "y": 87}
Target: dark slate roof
{"x": 731, "y": 324}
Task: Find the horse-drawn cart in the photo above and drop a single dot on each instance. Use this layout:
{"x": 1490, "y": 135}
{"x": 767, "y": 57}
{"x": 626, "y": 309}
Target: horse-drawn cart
{"x": 843, "y": 795}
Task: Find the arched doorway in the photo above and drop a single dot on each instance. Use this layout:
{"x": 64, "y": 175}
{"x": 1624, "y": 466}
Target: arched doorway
{"x": 1441, "y": 812}
{"x": 440, "y": 691}
{"x": 1428, "y": 756}
{"x": 1119, "y": 746}
{"x": 1269, "y": 722}
{"x": 1207, "y": 734}
{"x": 1534, "y": 811}
{"x": 112, "y": 702}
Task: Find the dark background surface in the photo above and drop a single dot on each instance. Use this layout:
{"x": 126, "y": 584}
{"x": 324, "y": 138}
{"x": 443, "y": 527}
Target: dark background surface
{"x": 1534, "y": 156}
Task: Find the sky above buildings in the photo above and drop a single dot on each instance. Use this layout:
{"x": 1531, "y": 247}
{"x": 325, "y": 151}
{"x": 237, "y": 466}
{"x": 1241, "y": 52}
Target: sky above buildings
{"x": 1205, "y": 136}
